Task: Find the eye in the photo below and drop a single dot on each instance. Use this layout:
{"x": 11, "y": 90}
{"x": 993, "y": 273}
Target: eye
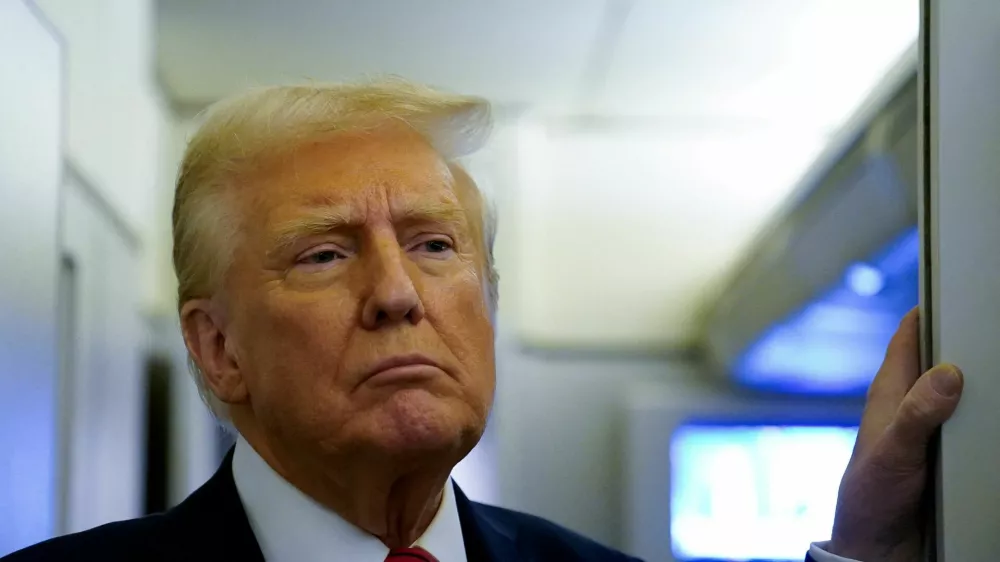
{"x": 436, "y": 246}
{"x": 321, "y": 257}
{"x": 326, "y": 256}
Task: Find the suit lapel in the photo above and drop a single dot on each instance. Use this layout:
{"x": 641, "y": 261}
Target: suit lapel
{"x": 487, "y": 539}
{"x": 211, "y": 523}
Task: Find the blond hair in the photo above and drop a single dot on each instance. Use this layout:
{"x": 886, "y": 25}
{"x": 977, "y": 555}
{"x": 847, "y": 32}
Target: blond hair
{"x": 237, "y": 132}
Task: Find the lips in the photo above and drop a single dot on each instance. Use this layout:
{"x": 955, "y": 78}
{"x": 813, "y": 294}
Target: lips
{"x": 401, "y": 368}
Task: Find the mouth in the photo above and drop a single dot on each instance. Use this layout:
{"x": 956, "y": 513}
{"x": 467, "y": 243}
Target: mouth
{"x": 403, "y": 369}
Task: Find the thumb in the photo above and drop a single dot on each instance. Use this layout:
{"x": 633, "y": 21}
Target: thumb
{"x": 926, "y": 406}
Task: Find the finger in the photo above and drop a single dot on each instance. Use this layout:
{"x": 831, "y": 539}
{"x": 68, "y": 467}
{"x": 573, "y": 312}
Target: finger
{"x": 901, "y": 367}
{"x": 897, "y": 375}
{"x": 930, "y": 403}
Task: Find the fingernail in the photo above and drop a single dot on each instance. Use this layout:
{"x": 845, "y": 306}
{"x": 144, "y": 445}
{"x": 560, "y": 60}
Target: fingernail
{"x": 946, "y": 382}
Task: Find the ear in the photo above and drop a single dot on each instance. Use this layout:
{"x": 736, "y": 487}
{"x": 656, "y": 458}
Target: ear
{"x": 201, "y": 323}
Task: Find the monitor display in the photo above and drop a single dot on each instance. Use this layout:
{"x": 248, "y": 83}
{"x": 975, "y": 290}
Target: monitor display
{"x": 754, "y": 492}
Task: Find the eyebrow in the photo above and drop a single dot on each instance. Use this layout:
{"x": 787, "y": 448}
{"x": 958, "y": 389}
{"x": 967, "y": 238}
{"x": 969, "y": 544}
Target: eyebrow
{"x": 316, "y": 221}
{"x": 325, "y": 219}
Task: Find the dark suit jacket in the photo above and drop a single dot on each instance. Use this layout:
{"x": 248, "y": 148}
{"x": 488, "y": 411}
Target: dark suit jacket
{"x": 211, "y": 525}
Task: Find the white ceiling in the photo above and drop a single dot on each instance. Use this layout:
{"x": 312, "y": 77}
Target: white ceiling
{"x": 807, "y": 61}
{"x": 802, "y": 62}
{"x": 511, "y": 51}
{"x": 736, "y": 95}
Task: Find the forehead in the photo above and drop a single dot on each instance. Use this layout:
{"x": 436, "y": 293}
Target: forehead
{"x": 392, "y": 169}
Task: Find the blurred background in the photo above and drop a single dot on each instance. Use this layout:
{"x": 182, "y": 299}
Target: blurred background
{"x": 707, "y": 237}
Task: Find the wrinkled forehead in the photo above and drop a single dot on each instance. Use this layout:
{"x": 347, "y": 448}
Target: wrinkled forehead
{"x": 392, "y": 171}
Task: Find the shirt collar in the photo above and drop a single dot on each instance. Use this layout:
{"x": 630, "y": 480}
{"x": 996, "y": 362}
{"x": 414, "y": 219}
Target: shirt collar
{"x": 291, "y": 526}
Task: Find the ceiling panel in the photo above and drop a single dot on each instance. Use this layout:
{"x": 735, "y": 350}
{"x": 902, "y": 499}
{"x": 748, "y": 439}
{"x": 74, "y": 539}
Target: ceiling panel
{"x": 513, "y": 51}
{"x": 809, "y": 62}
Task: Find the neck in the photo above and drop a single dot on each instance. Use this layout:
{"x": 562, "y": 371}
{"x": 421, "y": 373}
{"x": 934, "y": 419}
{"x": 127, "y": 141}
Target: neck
{"x": 392, "y": 500}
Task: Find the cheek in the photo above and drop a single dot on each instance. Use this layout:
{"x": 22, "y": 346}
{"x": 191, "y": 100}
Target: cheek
{"x": 459, "y": 312}
{"x": 289, "y": 346}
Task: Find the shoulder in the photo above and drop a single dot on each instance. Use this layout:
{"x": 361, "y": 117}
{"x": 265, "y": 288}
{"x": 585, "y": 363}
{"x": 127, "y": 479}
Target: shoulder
{"x": 549, "y": 540}
{"x": 210, "y": 524}
{"x": 134, "y": 539}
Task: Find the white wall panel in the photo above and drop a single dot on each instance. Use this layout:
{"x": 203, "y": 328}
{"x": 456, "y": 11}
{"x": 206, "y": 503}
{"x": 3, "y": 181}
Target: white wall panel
{"x": 104, "y": 402}
{"x": 961, "y": 174}
{"x": 112, "y": 107}
{"x": 30, "y": 137}
{"x": 118, "y": 121}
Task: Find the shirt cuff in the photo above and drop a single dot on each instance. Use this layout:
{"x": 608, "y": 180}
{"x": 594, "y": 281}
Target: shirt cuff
{"x": 818, "y": 553}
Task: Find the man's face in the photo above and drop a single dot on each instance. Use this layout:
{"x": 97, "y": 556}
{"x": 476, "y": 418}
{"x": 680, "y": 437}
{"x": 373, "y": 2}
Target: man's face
{"x": 355, "y": 304}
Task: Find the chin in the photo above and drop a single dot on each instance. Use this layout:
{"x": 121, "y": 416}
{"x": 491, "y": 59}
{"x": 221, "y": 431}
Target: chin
{"x": 415, "y": 421}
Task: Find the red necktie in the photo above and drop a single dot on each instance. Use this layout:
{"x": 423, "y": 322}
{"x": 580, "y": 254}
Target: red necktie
{"x": 414, "y": 554}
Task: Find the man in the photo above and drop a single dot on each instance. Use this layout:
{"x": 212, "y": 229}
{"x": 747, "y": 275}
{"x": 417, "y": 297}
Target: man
{"x": 336, "y": 292}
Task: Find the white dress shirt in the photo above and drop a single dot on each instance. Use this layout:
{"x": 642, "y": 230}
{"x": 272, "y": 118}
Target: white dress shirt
{"x": 819, "y": 553}
{"x": 292, "y": 527}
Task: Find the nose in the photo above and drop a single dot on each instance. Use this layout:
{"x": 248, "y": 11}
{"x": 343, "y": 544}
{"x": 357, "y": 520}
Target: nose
{"x": 393, "y": 298}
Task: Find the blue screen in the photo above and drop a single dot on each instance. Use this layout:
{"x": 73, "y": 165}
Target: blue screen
{"x": 835, "y": 344}
{"x": 761, "y": 492}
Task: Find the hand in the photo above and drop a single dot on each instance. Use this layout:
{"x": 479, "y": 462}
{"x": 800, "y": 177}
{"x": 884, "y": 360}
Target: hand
{"x": 879, "y": 508}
